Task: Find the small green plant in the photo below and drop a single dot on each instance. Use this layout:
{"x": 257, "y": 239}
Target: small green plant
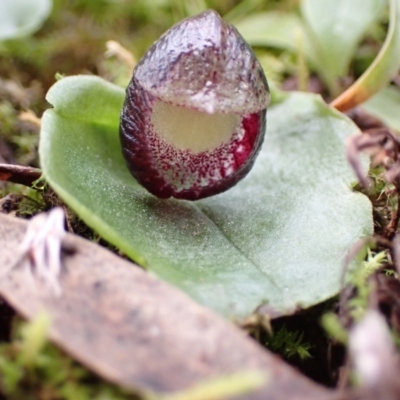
{"x": 359, "y": 278}
{"x": 33, "y": 369}
{"x": 357, "y": 305}
{"x": 289, "y": 343}
{"x": 334, "y": 328}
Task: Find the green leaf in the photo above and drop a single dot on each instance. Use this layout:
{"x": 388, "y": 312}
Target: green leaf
{"x": 275, "y": 29}
{"x": 328, "y": 33}
{"x": 385, "y": 106}
{"x": 278, "y": 238}
{"x": 22, "y": 17}
{"x": 335, "y": 28}
{"x": 278, "y": 29}
{"x": 384, "y": 68}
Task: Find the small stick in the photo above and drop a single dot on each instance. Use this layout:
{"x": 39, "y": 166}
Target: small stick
{"x": 19, "y": 174}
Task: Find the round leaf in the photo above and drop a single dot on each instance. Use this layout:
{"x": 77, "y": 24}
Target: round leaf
{"x": 276, "y": 239}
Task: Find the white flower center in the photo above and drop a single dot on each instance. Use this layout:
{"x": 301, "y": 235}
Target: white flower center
{"x": 192, "y": 130}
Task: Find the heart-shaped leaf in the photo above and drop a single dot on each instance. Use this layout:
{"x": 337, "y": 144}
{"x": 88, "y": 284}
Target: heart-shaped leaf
{"x": 278, "y": 238}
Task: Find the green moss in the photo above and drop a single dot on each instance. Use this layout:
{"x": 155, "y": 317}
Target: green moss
{"x": 357, "y": 305}
{"x": 32, "y": 368}
{"x": 289, "y": 343}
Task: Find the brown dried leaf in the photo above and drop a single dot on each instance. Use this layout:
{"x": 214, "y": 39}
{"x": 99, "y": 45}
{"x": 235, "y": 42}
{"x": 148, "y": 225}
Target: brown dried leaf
{"x": 135, "y": 330}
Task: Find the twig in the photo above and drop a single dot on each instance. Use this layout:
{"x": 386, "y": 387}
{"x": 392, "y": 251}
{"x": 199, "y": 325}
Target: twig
{"x": 19, "y": 174}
